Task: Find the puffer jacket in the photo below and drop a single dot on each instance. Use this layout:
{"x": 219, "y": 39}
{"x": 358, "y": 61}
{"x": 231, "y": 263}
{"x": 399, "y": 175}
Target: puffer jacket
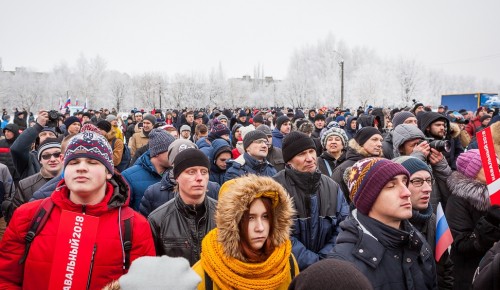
{"x": 275, "y": 157}
{"x": 205, "y": 146}
{"x": 277, "y": 138}
{"x": 163, "y": 191}
{"x": 472, "y": 234}
{"x": 320, "y": 207}
{"x": 5, "y": 154}
{"x": 245, "y": 164}
{"x": 218, "y": 147}
{"x": 348, "y": 130}
{"x": 409, "y": 266}
{"x": 140, "y": 177}
{"x": 232, "y": 207}
{"x": 488, "y": 272}
{"x": 34, "y": 273}
{"x": 178, "y": 228}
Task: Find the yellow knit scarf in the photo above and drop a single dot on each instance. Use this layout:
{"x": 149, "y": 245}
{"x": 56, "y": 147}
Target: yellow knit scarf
{"x": 231, "y": 273}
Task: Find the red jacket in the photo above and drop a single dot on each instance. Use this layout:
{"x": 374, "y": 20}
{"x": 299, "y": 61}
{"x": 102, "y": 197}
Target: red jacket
{"x": 108, "y": 260}
{"x": 472, "y": 126}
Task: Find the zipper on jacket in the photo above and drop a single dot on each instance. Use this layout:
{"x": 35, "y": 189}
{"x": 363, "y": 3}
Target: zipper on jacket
{"x": 84, "y": 208}
{"x": 91, "y": 266}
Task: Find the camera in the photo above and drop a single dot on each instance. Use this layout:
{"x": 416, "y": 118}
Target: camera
{"x": 439, "y": 145}
{"x": 53, "y": 119}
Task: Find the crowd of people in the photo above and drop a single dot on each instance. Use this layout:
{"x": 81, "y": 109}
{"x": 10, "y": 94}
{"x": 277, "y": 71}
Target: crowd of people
{"x": 249, "y": 198}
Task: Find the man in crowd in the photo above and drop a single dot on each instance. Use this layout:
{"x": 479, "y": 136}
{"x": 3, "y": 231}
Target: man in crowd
{"x": 180, "y": 225}
{"x": 134, "y": 127}
{"x": 474, "y": 123}
{"x": 253, "y": 161}
{"x": 319, "y": 202}
{"x": 185, "y": 132}
{"x": 283, "y": 128}
{"x": 140, "y": 139}
{"x": 319, "y": 124}
{"x": 274, "y": 154}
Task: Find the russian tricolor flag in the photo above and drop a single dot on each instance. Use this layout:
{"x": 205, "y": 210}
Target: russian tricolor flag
{"x": 443, "y": 233}
{"x": 68, "y": 102}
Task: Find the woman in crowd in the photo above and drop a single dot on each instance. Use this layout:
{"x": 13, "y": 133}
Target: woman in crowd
{"x": 334, "y": 143}
{"x": 250, "y": 248}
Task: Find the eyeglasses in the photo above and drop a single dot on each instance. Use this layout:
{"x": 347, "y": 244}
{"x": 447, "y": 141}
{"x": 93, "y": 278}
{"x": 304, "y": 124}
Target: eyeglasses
{"x": 48, "y": 156}
{"x": 417, "y": 182}
{"x": 261, "y": 141}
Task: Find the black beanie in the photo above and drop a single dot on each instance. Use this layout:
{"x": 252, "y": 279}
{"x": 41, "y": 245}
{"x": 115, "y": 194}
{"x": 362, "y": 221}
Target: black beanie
{"x": 189, "y": 158}
{"x": 331, "y": 274}
{"x": 104, "y": 125}
{"x": 364, "y": 134}
{"x": 294, "y": 143}
{"x": 281, "y": 120}
{"x": 319, "y": 117}
{"x": 252, "y": 136}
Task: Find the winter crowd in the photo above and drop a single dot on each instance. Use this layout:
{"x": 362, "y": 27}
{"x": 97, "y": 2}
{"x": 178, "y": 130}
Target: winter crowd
{"x": 248, "y": 199}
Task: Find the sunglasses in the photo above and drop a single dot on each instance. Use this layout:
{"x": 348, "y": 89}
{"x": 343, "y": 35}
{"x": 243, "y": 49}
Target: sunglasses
{"x": 48, "y": 156}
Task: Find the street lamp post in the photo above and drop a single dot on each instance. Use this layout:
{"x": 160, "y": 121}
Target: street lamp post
{"x": 341, "y": 63}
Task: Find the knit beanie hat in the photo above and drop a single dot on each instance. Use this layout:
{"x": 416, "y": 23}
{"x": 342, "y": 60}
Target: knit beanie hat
{"x": 367, "y": 177}
{"x": 189, "y": 158}
{"x": 331, "y": 274}
{"x": 104, "y": 125}
{"x": 218, "y": 130}
{"x": 90, "y": 145}
{"x": 340, "y": 118}
{"x": 178, "y": 146}
{"x": 185, "y": 128}
{"x": 252, "y": 136}
{"x": 400, "y": 117}
{"x": 160, "y": 273}
{"x": 264, "y": 128}
{"x": 334, "y": 132}
{"x": 110, "y": 118}
{"x": 294, "y": 143}
{"x": 91, "y": 127}
{"x": 280, "y": 121}
{"x": 71, "y": 120}
{"x": 48, "y": 143}
{"x": 222, "y": 117}
{"x": 159, "y": 140}
{"x": 150, "y": 118}
{"x": 364, "y": 134}
{"x": 412, "y": 164}
{"x": 242, "y": 113}
{"x": 259, "y": 119}
{"x": 469, "y": 163}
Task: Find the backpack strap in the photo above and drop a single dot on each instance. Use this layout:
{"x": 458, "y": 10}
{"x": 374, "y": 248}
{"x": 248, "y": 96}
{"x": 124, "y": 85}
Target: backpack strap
{"x": 292, "y": 266}
{"x": 126, "y": 224}
{"x": 328, "y": 167}
{"x": 40, "y": 218}
{"x": 209, "y": 284}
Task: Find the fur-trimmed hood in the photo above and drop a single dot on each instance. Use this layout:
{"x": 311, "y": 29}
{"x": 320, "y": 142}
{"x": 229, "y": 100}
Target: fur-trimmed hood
{"x": 234, "y": 199}
{"x": 362, "y": 151}
{"x": 473, "y": 191}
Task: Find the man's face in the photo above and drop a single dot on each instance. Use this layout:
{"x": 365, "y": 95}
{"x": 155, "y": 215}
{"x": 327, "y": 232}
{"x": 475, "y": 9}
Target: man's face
{"x": 354, "y": 124}
{"x": 419, "y": 109}
{"x": 163, "y": 160}
{"x": 114, "y": 123}
{"x": 411, "y": 121}
{"x": 393, "y": 203}
{"x": 258, "y": 149}
{"x": 74, "y": 128}
{"x": 437, "y": 129}
{"x": 440, "y": 110}
{"x": 420, "y": 187}
{"x": 342, "y": 123}
{"x": 186, "y": 134}
{"x": 243, "y": 119}
{"x": 221, "y": 160}
{"x": 223, "y": 121}
{"x": 85, "y": 119}
{"x": 486, "y": 122}
{"x": 319, "y": 123}
{"x": 193, "y": 183}
{"x": 198, "y": 121}
{"x": 286, "y": 127}
{"x": 8, "y": 134}
{"x": 147, "y": 125}
{"x": 85, "y": 177}
{"x": 374, "y": 145}
{"x": 54, "y": 162}
{"x": 305, "y": 161}
{"x": 409, "y": 145}
{"x": 190, "y": 118}
{"x": 174, "y": 133}
{"x": 46, "y": 134}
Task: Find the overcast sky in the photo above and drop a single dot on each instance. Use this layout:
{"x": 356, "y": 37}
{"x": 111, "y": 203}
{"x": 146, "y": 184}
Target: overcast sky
{"x": 459, "y": 36}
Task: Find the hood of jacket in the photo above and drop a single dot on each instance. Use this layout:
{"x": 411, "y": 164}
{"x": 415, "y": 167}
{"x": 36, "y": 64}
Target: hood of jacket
{"x": 403, "y": 133}
{"x": 145, "y": 162}
{"x": 117, "y": 195}
{"x": 219, "y": 146}
{"x": 425, "y": 119}
{"x": 277, "y": 133}
{"x": 348, "y": 125}
{"x": 356, "y": 149}
{"x": 474, "y": 192}
{"x": 14, "y": 129}
{"x": 202, "y": 143}
{"x": 235, "y": 198}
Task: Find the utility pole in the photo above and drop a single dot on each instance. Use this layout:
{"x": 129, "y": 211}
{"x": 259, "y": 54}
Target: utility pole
{"x": 159, "y": 93}
{"x": 342, "y": 84}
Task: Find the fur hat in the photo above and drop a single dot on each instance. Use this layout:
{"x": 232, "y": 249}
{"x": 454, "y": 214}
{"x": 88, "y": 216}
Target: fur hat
{"x": 469, "y": 163}
{"x": 367, "y": 178}
{"x": 159, "y": 140}
{"x": 89, "y": 144}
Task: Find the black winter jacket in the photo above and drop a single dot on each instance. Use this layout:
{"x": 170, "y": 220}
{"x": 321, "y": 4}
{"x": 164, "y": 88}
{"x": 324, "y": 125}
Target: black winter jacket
{"x": 320, "y": 206}
{"x": 407, "y": 266}
{"x": 472, "y": 234}
{"x": 178, "y": 229}
{"x": 25, "y": 160}
{"x": 488, "y": 273}
{"x": 332, "y": 162}
{"x": 351, "y": 157}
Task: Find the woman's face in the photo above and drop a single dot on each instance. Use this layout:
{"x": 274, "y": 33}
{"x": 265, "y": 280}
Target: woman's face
{"x": 374, "y": 145}
{"x": 334, "y": 144}
{"x": 258, "y": 225}
{"x": 237, "y": 134}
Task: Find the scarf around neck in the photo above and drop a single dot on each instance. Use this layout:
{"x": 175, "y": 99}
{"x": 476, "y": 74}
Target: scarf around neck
{"x": 230, "y": 273}
{"x": 388, "y": 236}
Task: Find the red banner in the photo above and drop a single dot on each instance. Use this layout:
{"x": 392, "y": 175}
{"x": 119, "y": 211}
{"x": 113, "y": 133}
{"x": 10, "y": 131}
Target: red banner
{"x": 490, "y": 163}
{"x": 76, "y": 248}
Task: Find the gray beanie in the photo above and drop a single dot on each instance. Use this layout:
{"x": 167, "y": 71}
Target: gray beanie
{"x": 252, "y": 136}
{"x": 178, "y": 146}
{"x": 400, "y": 117}
{"x": 150, "y": 118}
{"x": 265, "y": 129}
{"x": 333, "y": 131}
{"x": 185, "y": 128}
{"x": 160, "y": 273}
{"x": 159, "y": 140}
{"x": 110, "y": 118}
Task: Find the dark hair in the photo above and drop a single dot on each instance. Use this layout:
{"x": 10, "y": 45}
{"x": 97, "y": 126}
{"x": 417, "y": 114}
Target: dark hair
{"x": 256, "y": 256}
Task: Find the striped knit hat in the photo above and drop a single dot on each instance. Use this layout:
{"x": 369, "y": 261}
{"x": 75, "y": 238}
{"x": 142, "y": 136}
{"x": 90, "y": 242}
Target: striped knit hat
{"x": 368, "y": 177}
{"x": 92, "y": 145}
